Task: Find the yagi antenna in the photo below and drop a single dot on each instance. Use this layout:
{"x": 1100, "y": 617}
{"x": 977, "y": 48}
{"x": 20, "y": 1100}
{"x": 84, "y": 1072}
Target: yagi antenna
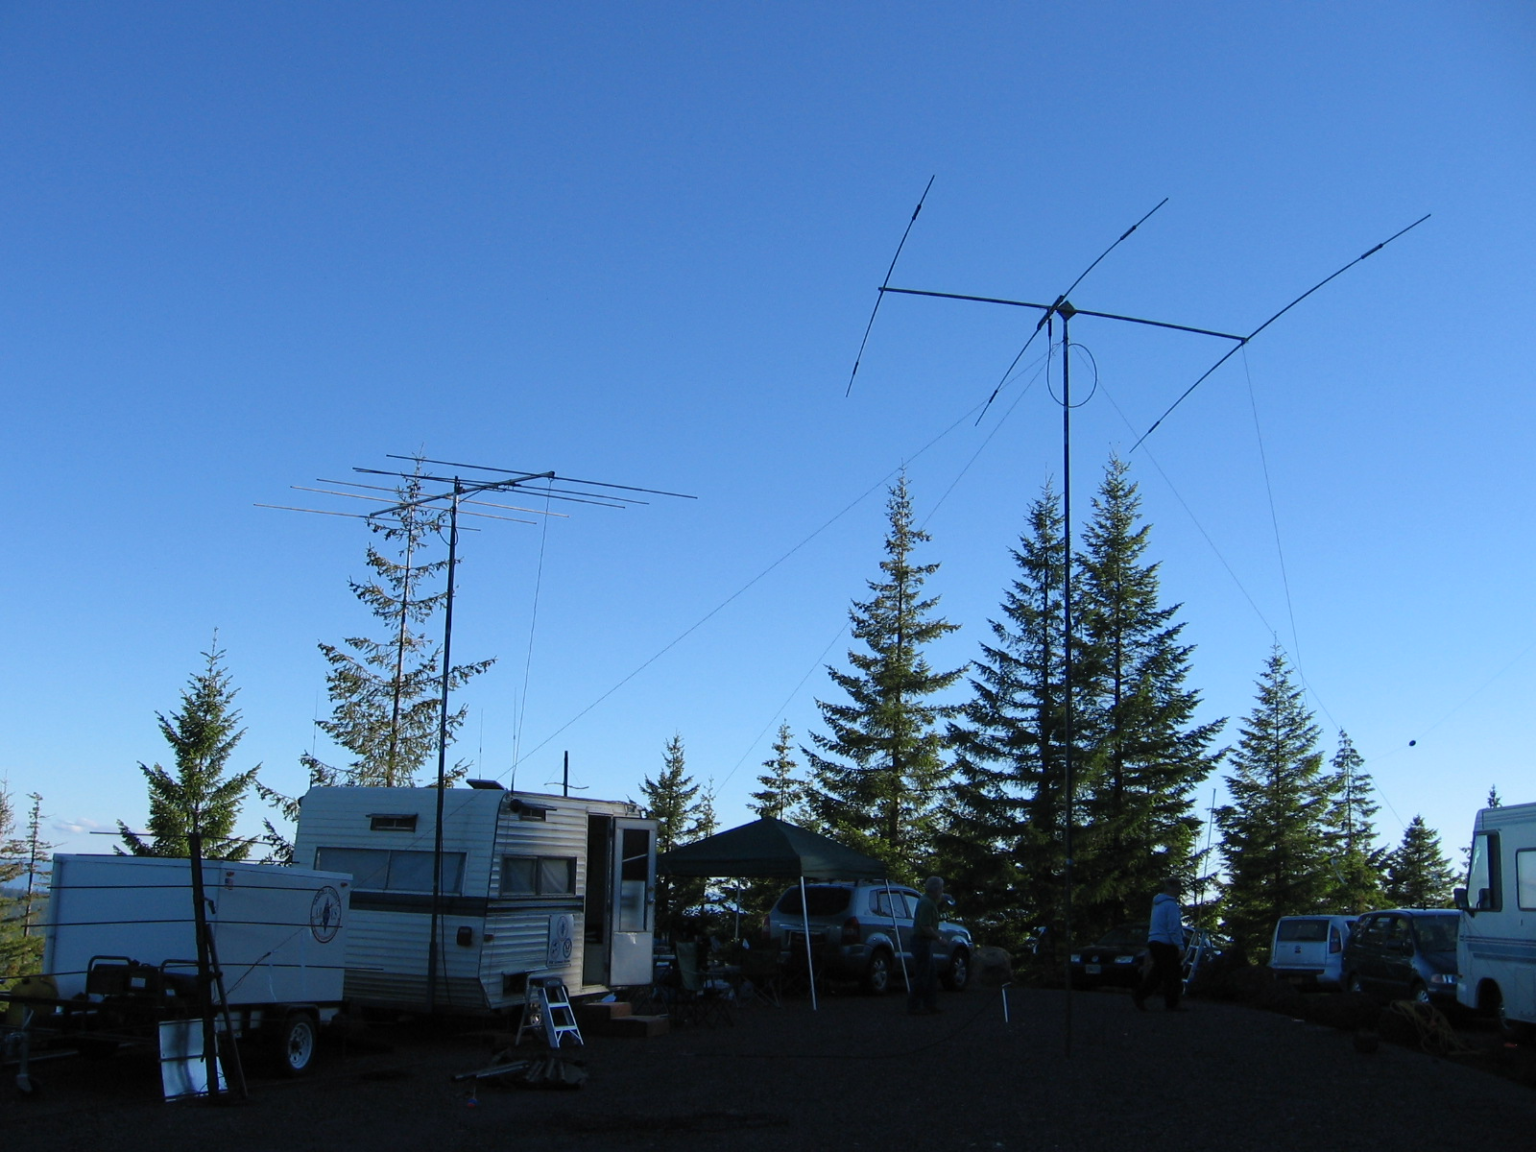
{"x": 1062, "y": 307}
{"x": 450, "y": 502}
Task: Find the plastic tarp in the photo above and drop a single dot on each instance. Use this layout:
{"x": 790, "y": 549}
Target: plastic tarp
{"x": 770, "y": 848}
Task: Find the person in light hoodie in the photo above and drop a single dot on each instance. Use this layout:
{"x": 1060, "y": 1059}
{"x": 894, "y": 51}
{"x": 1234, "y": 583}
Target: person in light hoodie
{"x": 1165, "y": 941}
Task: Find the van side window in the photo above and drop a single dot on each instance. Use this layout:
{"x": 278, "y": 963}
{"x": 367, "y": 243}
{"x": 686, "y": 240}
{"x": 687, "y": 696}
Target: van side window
{"x": 1525, "y": 879}
{"x": 1483, "y": 875}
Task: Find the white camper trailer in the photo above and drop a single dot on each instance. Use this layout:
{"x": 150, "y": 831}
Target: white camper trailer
{"x": 1496, "y": 946}
{"x": 530, "y": 885}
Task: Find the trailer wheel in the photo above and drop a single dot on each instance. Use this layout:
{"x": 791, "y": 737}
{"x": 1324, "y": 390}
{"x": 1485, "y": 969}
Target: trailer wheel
{"x": 296, "y": 1042}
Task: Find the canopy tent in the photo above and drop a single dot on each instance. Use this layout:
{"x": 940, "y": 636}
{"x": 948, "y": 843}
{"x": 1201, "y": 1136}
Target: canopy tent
{"x": 769, "y": 848}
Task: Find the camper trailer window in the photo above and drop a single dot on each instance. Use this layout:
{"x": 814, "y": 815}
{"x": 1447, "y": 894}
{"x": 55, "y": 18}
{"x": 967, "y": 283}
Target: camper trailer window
{"x": 383, "y": 823}
{"x": 369, "y": 866}
{"x": 1525, "y": 878}
{"x": 378, "y": 870}
{"x": 538, "y": 875}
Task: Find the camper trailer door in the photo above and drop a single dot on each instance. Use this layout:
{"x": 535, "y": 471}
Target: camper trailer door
{"x": 634, "y": 911}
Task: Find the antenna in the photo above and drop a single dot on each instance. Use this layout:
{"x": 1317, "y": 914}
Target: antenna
{"x": 1062, "y": 307}
{"x": 450, "y": 500}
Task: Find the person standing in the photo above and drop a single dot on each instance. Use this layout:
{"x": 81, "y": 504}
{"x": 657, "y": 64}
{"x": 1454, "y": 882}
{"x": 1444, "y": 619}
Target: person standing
{"x": 923, "y": 996}
{"x": 1165, "y": 942}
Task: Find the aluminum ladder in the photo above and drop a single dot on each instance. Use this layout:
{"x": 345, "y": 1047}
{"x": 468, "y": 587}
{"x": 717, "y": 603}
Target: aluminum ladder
{"x": 548, "y": 1006}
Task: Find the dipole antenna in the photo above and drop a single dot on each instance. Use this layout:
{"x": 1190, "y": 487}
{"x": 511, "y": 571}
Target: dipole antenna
{"x": 461, "y": 491}
{"x": 1063, "y": 308}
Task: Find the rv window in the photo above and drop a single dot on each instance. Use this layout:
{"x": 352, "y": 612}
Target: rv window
{"x": 392, "y": 823}
{"x": 369, "y": 866}
{"x": 538, "y": 875}
{"x": 378, "y": 870}
{"x": 1525, "y": 878}
{"x": 1484, "y": 873}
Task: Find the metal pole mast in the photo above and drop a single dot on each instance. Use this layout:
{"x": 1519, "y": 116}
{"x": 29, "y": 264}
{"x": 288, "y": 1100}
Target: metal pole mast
{"x": 1065, "y": 311}
{"x": 442, "y": 750}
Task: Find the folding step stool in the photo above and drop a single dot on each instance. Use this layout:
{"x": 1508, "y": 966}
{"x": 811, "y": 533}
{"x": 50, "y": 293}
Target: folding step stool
{"x": 548, "y": 1006}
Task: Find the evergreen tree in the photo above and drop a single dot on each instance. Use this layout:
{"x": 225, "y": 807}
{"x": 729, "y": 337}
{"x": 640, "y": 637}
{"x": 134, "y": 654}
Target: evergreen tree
{"x": 879, "y": 769}
{"x": 780, "y": 797}
{"x": 1493, "y": 797}
{"x": 1002, "y": 840}
{"x": 198, "y": 797}
{"x": 1418, "y": 874}
{"x": 1133, "y": 716}
{"x": 20, "y": 953}
{"x": 386, "y": 694}
{"x": 39, "y": 866}
{"x": 1357, "y": 861}
{"x": 684, "y": 811}
{"x": 1274, "y": 833}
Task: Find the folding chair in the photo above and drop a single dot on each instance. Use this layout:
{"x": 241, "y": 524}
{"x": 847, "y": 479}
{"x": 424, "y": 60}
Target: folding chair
{"x": 762, "y": 968}
{"x": 701, "y": 1000}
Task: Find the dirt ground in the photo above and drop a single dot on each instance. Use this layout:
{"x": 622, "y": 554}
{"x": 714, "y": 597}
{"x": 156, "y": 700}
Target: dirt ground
{"x": 860, "y": 1073}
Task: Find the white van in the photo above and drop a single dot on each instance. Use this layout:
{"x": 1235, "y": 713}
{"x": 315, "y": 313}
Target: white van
{"x": 1496, "y": 946}
{"x": 1309, "y": 950}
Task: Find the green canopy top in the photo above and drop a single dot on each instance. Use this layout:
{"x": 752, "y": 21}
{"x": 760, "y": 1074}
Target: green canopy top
{"x": 770, "y": 848}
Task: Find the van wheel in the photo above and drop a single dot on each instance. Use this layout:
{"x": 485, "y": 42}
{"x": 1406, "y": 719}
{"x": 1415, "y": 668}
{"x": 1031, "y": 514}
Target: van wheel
{"x": 958, "y": 975}
{"x": 1516, "y": 1030}
{"x": 296, "y": 1041}
{"x": 877, "y": 977}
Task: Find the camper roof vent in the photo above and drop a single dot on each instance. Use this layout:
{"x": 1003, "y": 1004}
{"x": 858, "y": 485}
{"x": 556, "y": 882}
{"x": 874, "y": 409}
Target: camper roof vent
{"x": 487, "y": 784}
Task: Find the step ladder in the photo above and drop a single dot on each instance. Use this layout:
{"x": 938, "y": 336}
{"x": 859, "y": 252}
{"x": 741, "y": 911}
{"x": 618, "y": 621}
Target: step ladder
{"x": 547, "y": 1006}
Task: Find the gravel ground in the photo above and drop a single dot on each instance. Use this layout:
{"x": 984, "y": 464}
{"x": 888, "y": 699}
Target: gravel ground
{"x": 860, "y": 1073}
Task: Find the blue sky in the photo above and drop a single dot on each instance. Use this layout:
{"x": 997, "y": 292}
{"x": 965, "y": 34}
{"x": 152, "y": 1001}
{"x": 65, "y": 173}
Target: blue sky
{"x": 245, "y": 247}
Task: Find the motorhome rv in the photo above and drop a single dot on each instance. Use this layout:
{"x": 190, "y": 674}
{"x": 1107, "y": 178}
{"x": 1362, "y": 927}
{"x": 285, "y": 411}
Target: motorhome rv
{"x": 527, "y": 884}
{"x": 1496, "y": 944}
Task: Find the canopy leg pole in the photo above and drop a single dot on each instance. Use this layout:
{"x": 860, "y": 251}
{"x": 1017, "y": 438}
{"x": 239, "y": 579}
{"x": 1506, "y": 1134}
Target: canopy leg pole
{"x": 810, "y": 963}
{"x": 901, "y": 953}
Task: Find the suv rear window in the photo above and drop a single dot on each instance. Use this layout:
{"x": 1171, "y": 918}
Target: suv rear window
{"x": 819, "y": 901}
{"x": 1303, "y": 931}
{"x": 1437, "y": 933}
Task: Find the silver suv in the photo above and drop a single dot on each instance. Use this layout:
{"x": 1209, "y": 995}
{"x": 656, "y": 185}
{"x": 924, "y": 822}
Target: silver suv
{"x": 863, "y": 932}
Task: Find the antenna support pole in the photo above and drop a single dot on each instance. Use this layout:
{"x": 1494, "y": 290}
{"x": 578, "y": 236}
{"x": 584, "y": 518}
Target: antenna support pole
{"x": 442, "y": 752}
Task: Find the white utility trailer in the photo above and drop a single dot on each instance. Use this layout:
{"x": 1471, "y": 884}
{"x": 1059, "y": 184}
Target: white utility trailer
{"x": 1496, "y": 945}
{"x": 120, "y": 950}
{"x": 529, "y": 884}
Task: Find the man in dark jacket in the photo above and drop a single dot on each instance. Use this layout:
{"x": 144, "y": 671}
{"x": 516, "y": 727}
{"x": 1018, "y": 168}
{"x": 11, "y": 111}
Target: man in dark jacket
{"x": 923, "y": 999}
{"x": 1165, "y": 941}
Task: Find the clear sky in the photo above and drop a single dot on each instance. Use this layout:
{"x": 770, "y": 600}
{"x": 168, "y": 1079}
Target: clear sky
{"x": 243, "y": 247}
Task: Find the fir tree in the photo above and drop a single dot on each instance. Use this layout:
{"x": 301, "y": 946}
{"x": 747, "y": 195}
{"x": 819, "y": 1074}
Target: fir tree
{"x": 880, "y": 767}
{"x": 1002, "y": 840}
{"x": 1493, "y": 797}
{"x": 386, "y": 694}
{"x": 684, "y": 811}
{"x": 1133, "y": 716}
{"x": 1418, "y": 874}
{"x": 1357, "y": 861}
{"x": 39, "y": 865}
{"x": 20, "y": 953}
{"x": 198, "y": 797}
{"x": 1274, "y": 841}
{"x": 780, "y": 797}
